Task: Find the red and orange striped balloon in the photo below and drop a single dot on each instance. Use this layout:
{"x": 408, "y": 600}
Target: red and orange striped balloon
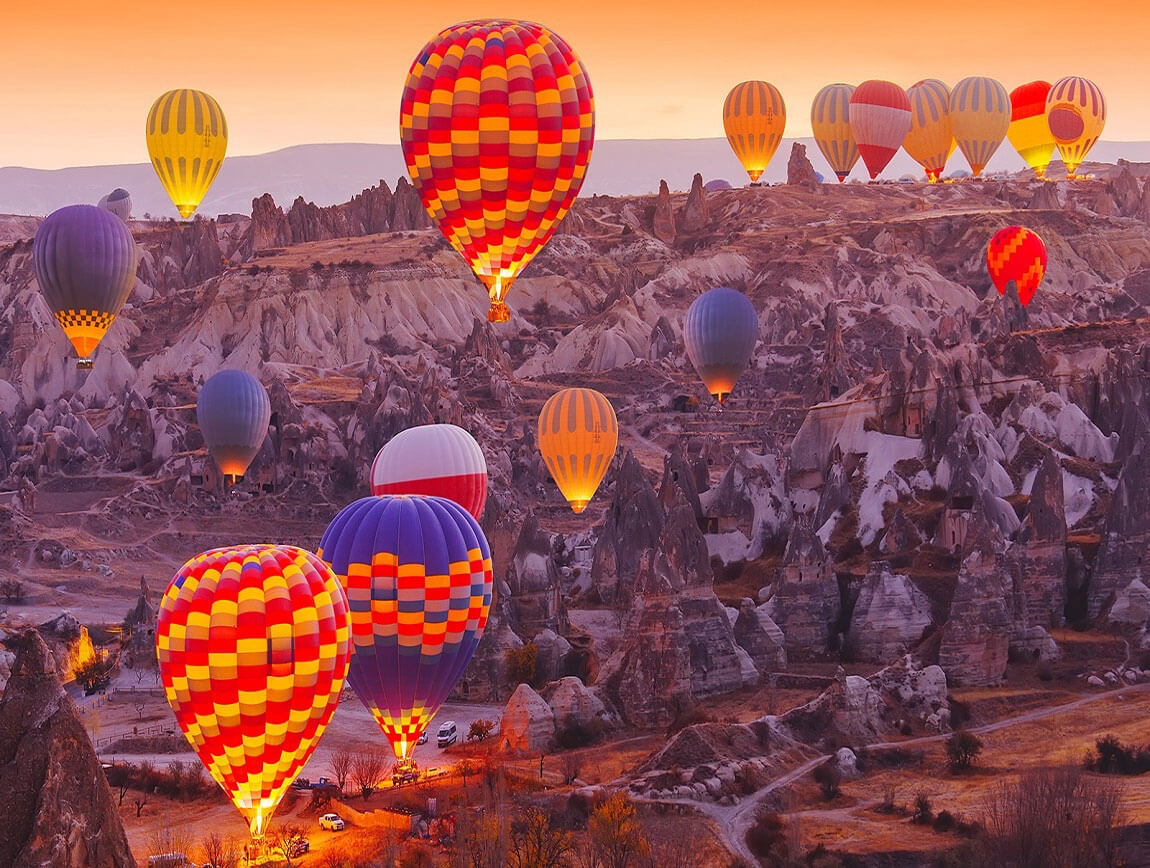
{"x": 497, "y": 122}
{"x": 254, "y": 643}
{"x": 1017, "y": 253}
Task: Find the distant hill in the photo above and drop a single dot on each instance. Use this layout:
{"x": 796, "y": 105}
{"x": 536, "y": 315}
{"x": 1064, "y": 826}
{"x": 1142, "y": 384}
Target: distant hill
{"x": 330, "y": 173}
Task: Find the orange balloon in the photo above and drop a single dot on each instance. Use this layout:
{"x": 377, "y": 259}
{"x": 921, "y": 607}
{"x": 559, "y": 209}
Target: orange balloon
{"x": 578, "y": 434}
{"x": 754, "y": 117}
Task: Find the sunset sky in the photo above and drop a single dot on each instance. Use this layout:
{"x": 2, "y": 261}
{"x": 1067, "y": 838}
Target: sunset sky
{"x": 78, "y": 77}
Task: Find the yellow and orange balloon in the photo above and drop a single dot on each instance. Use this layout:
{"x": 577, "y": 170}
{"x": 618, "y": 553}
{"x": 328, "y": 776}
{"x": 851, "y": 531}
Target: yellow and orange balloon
{"x": 979, "y": 118}
{"x": 497, "y": 122}
{"x": 754, "y": 117}
{"x": 930, "y": 141}
{"x": 831, "y": 125}
{"x": 254, "y": 644}
{"x": 1076, "y": 113}
{"x": 187, "y": 139}
{"x": 578, "y": 434}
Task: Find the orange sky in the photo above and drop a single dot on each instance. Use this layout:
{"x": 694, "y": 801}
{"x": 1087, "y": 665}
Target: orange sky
{"x": 76, "y": 78}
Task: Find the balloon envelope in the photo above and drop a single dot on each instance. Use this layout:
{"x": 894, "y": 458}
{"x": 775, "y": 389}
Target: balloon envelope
{"x": 754, "y": 117}
{"x": 417, "y": 572}
{"x": 831, "y": 125}
{"x": 1017, "y": 253}
{"x": 441, "y": 460}
{"x": 119, "y": 202}
{"x": 720, "y": 331}
{"x": 1029, "y": 131}
{"x": 1076, "y": 114}
{"x": 253, "y": 644}
{"x": 496, "y": 122}
{"x": 233, "y": 410}
{"x": 880, "y": 120}
{"x": 930, "y": 141}
{"x": 187, "y": 138}
{"x": 979, "y": 116}
{"x": 578, "y": 434}
{"x": 85, "y": 263}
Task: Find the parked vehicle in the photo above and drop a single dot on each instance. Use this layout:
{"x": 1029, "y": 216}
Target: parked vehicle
{"x": 405, "y": 773}
{"x": 299, "y": 845}
{"x": 448, "y": 734}
{"x": 332, "y": 822}
{"x": 422, "y": 738}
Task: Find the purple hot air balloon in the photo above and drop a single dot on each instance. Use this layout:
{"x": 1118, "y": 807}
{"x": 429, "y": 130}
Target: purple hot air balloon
{"x": 417, "y": 572}
{"x": 720, "y": 332}
{"x": 233, "y": 410}
{"x": 85, "y": 262}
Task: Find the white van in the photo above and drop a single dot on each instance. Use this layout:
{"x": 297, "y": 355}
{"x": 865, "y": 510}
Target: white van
{"x": 447, "y": 734}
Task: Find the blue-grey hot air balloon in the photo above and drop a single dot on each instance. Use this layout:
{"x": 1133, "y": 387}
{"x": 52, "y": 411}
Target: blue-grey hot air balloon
{"x": 119, "y": 202}
{"x": 234, "y": 411}
{"x": 85, "y": 263}
{"x": 720, "y": 331}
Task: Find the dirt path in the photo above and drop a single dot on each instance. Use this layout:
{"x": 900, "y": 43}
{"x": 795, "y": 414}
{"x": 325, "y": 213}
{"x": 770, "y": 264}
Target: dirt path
{"x": 733, "y": 821}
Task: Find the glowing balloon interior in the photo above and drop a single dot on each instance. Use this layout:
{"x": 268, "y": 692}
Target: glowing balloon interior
{"x": 754, "y": 117}
{"x": 253, "y": 646}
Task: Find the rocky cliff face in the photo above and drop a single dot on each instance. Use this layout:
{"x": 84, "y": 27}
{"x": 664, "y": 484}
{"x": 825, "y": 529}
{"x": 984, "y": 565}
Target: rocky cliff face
{"x": 889, "y": 617}
{"x": 804, "y": 600}
{"x": 1041, "y": 547}
{"x": 1119, "y": 581}
{"x": 57, "y": 808}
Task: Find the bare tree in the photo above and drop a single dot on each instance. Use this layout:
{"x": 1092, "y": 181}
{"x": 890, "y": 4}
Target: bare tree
{"x": 572, "y": 765}
{"x": 169, "y": 837}
{"x": 367, "y": 768}
{"x": 341, "y": 761}
{"x": 218, "y": 851}
{"x": 1054, "y": 818}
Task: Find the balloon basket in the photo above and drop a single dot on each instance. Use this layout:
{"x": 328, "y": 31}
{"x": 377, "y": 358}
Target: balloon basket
{"x": 498, "y": 312}
{"x": 84, "y": 364}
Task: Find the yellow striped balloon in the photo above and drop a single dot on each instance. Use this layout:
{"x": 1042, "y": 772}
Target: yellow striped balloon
{"x": 187, "y": 138}
{"x": 930, "y": 141}
{"x": 754, "y": 117}
{"x": 831, "y": 124}
{"x": 1076, "y": 112}
{"x": 979, "y": 118}
{"x": 578, "y": 433}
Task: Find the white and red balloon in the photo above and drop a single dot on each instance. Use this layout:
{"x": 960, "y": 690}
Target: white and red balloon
{"x": 438, "y": 460}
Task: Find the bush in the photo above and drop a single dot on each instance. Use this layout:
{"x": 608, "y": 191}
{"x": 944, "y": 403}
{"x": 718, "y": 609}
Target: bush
{"x": 767, "y": 837}
{"x": 480, "y": 729}
{"x": 1111, "y": 757}
{"x": 886, "y": 806}
{"x": 944, "y": 822}
{"x": 961, "y": 749}
{"x": 13, "y": 591}
{"x": 828, "y": 777}
{"x": 521, "y": 668}
{"x": 1045, "y": 671}
{"x": 922, "y": 814}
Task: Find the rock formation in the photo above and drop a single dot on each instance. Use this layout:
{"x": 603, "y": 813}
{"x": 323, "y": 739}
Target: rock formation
{"x": 574, "y": 707}
{"x": 1122, "y": 567}
{"x": 799, "y": 168}
{"x": 889, "y": 617}
{"x": 1041, "y": 547}
{"x": 528, "y": 724}
{"x": 634, "y": 523}
{"x": 663, "y": 227}
{"x": 976, "y": 638}
{"x": 760, "y": 637}
{"x": 57, "y": 807}
{"x": 805, "y": 599}
{"x": 536, "y": 596}
{"x": 693, "y": 217}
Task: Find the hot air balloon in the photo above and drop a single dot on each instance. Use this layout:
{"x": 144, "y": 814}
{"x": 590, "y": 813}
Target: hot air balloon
{"x": 979, "y": 117}
{"x": 119, "y": 202}
{"x": 930, "y": 141}
{"x": 441, "y": 460}
{"x": 578, "y": 433}
{"x": 417, "y": 572}
{"x": 1017, "y": 253}
{"x": 754, "y": 117}
{"x": 831, "y": 124}
{"x": 1029, "y": 131}
{"x": 1076, "y": 113}
{"x": 880, "y": 120}
{"x": 85, "y": 263}
{"x": 233, "y": 410}
{"x": 720, "y": 332}
{"x": 253, "y": 644}
{"x": 496, "y": 123}
{"x": 187, "y": 139}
